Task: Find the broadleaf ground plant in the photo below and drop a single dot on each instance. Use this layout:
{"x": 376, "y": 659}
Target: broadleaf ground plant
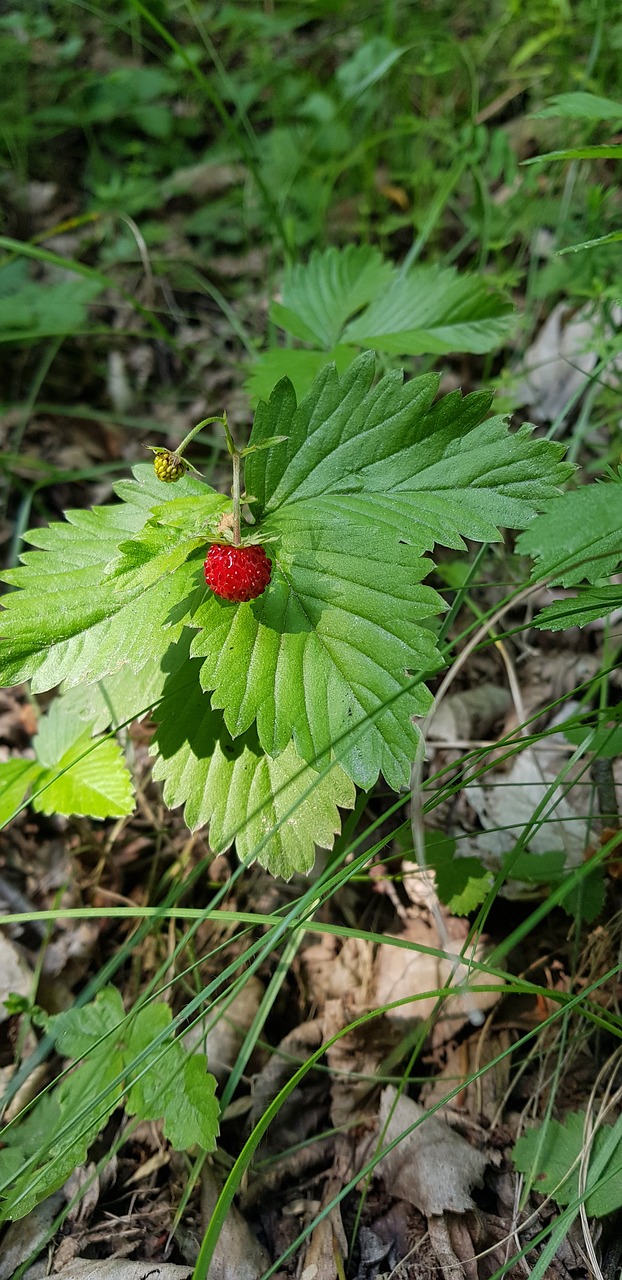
{"x": 271, "y": 710}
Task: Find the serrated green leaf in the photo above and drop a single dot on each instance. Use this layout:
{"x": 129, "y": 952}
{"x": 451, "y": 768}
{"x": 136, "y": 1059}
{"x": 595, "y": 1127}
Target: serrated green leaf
{"x": 605, "y": 741}
{"x": 239, "y": 791}
{"x": 72, "y": 623}
{"x": 38, "y": 310}
{"x": 552, "y": 1160}
{"x": 175, "y": 1086}
{"x": 577, "y": 538}
{"x": 67, "y": 1142}
{"x": 320, "y": 655}
{"x": 587, "y": 898}
{"x": 432, "y": 311}
{"x": 320, "y": 297}
{"x": 576, "y": 611}
{"x": 580, "y": 106}
{"x": 462, "y": 883}
{"x": 79, "y": 775}
{"x": 301, "y": 367}
{"x": 442, "y": 470}
{"x": 77, "y": 1030}
{"x": 17, "y": 777}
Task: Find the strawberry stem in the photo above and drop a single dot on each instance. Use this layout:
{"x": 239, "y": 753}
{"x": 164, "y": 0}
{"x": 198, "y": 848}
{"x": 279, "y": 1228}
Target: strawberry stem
{"x": 237, "y": 505}
{"x": 195, "y": 431}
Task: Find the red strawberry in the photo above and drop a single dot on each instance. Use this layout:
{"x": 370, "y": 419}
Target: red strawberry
{"x": 237, "y": 573}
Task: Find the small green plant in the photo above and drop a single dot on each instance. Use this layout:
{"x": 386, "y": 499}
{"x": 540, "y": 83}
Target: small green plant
{"x": 71, "y": 774}
{"x": 343, "y": 300}
{"x": 132, "y": 1062}
{"x": 269, "y": 712}
{"x": 556, "y": 1157}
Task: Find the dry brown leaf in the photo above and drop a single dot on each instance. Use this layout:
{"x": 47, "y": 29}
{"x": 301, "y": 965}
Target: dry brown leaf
{"x": 23, "y": 1236}
{"x": 402, "y": 973}
{"x": 120, "y": 1269}
{"x": 433, "y": 1167}
{"x": 238, "y": 1254}
{"x": 328, "y": 1240}
{"x": 15, "y": 974}
{"x": 470, "y": 713}
{"x": 337, "y": 971}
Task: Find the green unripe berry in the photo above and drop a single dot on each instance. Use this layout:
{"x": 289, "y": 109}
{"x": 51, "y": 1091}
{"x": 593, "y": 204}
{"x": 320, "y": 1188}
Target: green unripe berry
{"x": 169, "y": 467}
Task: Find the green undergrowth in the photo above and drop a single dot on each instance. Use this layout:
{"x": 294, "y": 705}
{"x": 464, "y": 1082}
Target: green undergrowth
{"x": 308, "y": 200}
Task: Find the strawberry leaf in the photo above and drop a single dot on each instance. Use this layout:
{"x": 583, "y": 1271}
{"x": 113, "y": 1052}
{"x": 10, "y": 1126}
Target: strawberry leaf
{"x": 173, "y": 1085}
{"x": 320, "y": 297}
{"x": 80, "y": 776}
{"x": 443, "y": 471}
{"x": 276, "y": 810}
{"x": 432, "y": 311}
{"x": 551, "y": 1160}
{"x": 577, "y": 538}
{"x": 84, "y": 612}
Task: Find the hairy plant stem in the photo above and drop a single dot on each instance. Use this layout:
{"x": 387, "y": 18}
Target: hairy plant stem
{"x": 195, "y": 431}
{"x": 235, "y": 493}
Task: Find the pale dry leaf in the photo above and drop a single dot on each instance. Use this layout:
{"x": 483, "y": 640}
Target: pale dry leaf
{"x": 433, "y": 1167}
{"x": 15, "y": 974}
{"x": 559, "y": 362}
{"x": 121, "y": 1269}
{"x": 404, "y": 973}
{"x": 238, "y": 1254}
{"x": 470, "y": 713}
{"x": 339, "y": 972}
{"x": 25, "y": 1235}
{"x": 507, "y": 801}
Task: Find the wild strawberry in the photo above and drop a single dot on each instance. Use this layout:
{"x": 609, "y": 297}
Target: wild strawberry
{"x": 169, "y": 466}
{"x": 237, "y": 573}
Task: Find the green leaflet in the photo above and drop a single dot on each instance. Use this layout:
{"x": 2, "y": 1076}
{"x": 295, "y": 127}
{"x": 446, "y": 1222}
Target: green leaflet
{"x": 159, "y": 1080}
{"x": 71, "y": 775}
{"x": 433, "y": 310}
{"x": 344, "y": 299}
{"x": 325, "y": 654}
{"x": 444, "y": 469}
{"x": 577, "y": 538}
{"x": 80, "y": 615}
{"x": 80, "y": 776}
{"x": 590, "y": 605}
{"x": 276, "y": 810}
{"x": 551, "y": 1160}
{"x": 320, "y": 297}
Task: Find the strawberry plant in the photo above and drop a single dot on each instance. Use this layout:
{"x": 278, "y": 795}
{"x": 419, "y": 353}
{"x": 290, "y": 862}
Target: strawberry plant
{"x": 276, "y": 697}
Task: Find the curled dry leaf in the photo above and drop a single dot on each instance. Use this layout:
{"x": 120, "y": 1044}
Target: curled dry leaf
{"x": 120, "y": 1269}
{"x": 238, "y": 1254}
{"x": 403, "y": 973}
{"x": 471, "y": 713}
{"x": 432, "y": 1167}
